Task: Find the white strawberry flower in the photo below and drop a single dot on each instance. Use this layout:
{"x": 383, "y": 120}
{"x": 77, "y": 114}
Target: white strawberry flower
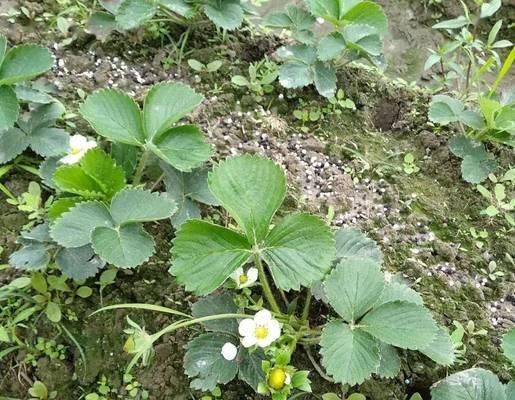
{"x": 320, "y": 20}
{"x": 79, "y": 145}
{"x": 262, "y": 330}
{"x": 229, "y": 351}
{"x": 245, "y": 279}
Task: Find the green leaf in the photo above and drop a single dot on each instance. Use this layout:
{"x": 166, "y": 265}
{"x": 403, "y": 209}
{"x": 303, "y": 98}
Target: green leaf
{"x": 331, "y": 46}
{"x": 297, "y": 71}
{"x": 165, "y": 104}
{"x": 45, "y": 116}
{"x": 181, "y": 7}
{"x": 9, "y": 108}
{"x": 441, "y": 350}
{"x": 101, "y": 24}
{"x": 454, "y": 23}
{"x": 445, "y": 109}
{"x": 250, "y": 363}
{"x": 3, "y": 48}
{"x": 39, "y": 390}
{"x": 127, "y": 246}
{"x": 401, "y": 324}
{"x": 395, "y": 291}
{"x": 79, "y": 263}
{"x": 184, "y": 147}
{"x": 32, "y": 257}
{"x": 53, "y": 312}
{"x": 295, "y": 19}
{"x": 351, "y": 242}
{"x": 125, "y": 156}
{"x": 49, "y": 142}
{"x": 137, "y": 205}
{"x": 508, "y": 345}
{"x": 489, "y": 9}
{"x": 472, "y": 384}
{"x": 324, "y": 76}
{"x": 12, "y": 143}
{"x": 204, "y": 362}
{"x": 215, "y": 305}
{"x": 462, "y": 147}
{"x": 74, "y": 228}
{"x": 365, "y": 13}
{"x": 73, "y": 179}
{"x": 62, "y": 205}
{"x": 354, "y": 286}
{"x": 111, "y": 5}
{"x": 251, "y": 189}
{"x": 103, "y": 170}
{"x": 474, "y": 170}
{"x": 22, "y": 63}
{"x": 350, "y": 356}
{"x": 47, "y": 169}
{"x": 114, "y": 115}
{"x": 390, "y": 364}
{"x": 134, "y": 13}
{"x": 204, "y": 255}
{"x": 363, "y": 39}
{"x": 298, "y": 251}
{"x": 510, "y": 390}
{"x": 226, "y": 14}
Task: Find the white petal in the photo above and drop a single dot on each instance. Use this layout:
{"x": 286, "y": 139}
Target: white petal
{"x": 229, "y": 351}
{"x": 236, "y": 274}
{"x": 274, "y": 330}
{"x": 78, "y": 141}
{"x": 287, "y": 380}
{"x": 262, "y": 317}
{"x": 91, "y": 144}
{"x": 70, "y": 159}
{"x": 252, "y": 274}
{"x": 247, "y": 327}
{"x": 265, "y": 342}
{"x": 248, "y": 341}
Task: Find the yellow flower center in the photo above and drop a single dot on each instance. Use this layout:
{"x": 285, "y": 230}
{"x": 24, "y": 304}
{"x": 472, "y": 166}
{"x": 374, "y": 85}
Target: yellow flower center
{"x": 243, "y": 279}
{"x": 75, "y": 151}
{"x": 261, "y": 332}
{"x": 277, "y": 378}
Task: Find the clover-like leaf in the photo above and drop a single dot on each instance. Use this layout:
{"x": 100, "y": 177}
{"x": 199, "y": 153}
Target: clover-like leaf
{"x": 22, "y": 63}
{"x": 79, "y": 263}
{"x": 401, "y": 324}
{"x": 298, "y": 251}
{"x": 227, "y": 14}
{"x": 215, "y": 305}
{"x": 62, "y": 205}
{"x": 137, "y": 205}
{"x": 390, "y": 364}
{"x": 9, "y": 108}
{"x": 295, "y": 19}
{"x": 364, "y": 40}
{"x": 462, "y": 147}
{"x": 351, "y": 242}
{"x": 73, "y": 179}
{"x": 251, "y": 189}
{"x": 74, "y": 228}
{"x": 297, "y": 71}
{"x": 32, "y": 257}
{"x": 354, "y": 286}
{"x": 441, "y": 349}
{"x": 134, "y": 13}
{"x": 350, "y": 356}
{"x": 471, "y": 384}
{"x": 165, "y": 104}
{"x": 12, "y": 143}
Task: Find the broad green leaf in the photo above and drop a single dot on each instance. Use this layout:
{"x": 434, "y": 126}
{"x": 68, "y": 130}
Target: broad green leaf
{"x": 354, "y": 286}
{"x": 441, "y": 349}
{"x": 215, "y": 305}
{"x": 365, "y": 13}
{"x": 331, "y": 46}
{"x": 298, "y": 251}
{"x": 181, "y": 7}
{"x": 125, "y": 156}
{"x": 471, "y": 384}
{"x": 249, "y": 362}
{"x": 227, "y": 14}
{"x": 114, "y": 115}
{"x": 165, "y": 104}
{"x": 137, "y": 205}
{"x": 49, "y": 142}
{"x": 62, "y": 205}
{"x": 79, "y": 263}
{"x": 295, "y": 74}
{"x": 490, "y": 8}
{"x": 53, "y": 312}
{"x": 251, "y": 189}
{"x": 351, "y": 242}
{"x": 33, "y": 257}
{"x": 204, "y": 362}
{"x": 330, "y": 10}
{"x": 74, "y": 228}
{"x": 454, "y": 23}
{"x": 363, "y": 39}
{"x": 103, "y": 170}
{"x": 401, "y": 324}
{"x": 324, "y": 76}
{"x": 40, "y": 233}
{"x": 47, "y": 169}
{"x": 350, "y": 356}
{"x": 462, "y": 146}
{"x": 295, "y": 19}
{"x": 134, "y": 13}
{"x": 396, "y": 291}
{"x": 73, "y": 179}
{"x": 9, "y": 108}
{"x": 445, "y": 109}
{"x": 508, "y": 345}
{"x": 45, "y": 116}
{"x": 22, "y": 63}
{"x": 476, "y": 170}
{"x": 510, "y": 390}
{"x": 12, "y": 143}
{"x": 184, "y": 147}
{"x": 390, "y": 364}
{"x": 204, "y": 255}
{"x": 127, "y": 246}
{"x": 101, "y": 24}
{"x": 111, "y": 5}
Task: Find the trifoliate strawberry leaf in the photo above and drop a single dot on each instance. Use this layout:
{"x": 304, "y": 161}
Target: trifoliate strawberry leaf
{"x": 114, "y": 115}
{"x": 9, "y": 108}
{"x": 204, "y": 255}
{"x": 181, "y": 7}
{"x": 79, "y": 263}
{"x": 22, "y": 63}
{"x": 111, "y": 5}
{"x": 127, "y": 246}
{"x": 12, "y": 143}
{"x": 350, "y": 356}
{"x": 303, "y": 241}
{"x": 297, "y": 70}
{"x": 354, "y": 286}
{"x": 134, "y": 13}
{"x": 184, "y": 147}
{"x": 204, "y": 362}
{"x": 74, "y": 228}
{"x": 324, "y": 77}
{"x": 251, "y": 189}
{"x": 476, "y": 170}
{"x": 32, "y": 257}
{"x": 364, "y": 40}
{"x": 44, "y": 116}
{"x": 226, "y": 14}
{"x": 390, "y": 364}
{"x": 471, "y": 384}
{"x": 47, "y": 169}
{"x": 165, "y": 104}
{"x": 401, "y": 324}
{"x": 137, "y": 205}
{"x": 462, "y": 147}
{"x": 215, "y": 305}
{"x": 441, "y": 349}
{"x": 351, "y": 242}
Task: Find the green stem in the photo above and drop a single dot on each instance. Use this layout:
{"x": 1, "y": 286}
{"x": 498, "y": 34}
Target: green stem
{"x": 307, "y": 306}
{"x": 265, "y": 285}
{"x": 141, "y": 167}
